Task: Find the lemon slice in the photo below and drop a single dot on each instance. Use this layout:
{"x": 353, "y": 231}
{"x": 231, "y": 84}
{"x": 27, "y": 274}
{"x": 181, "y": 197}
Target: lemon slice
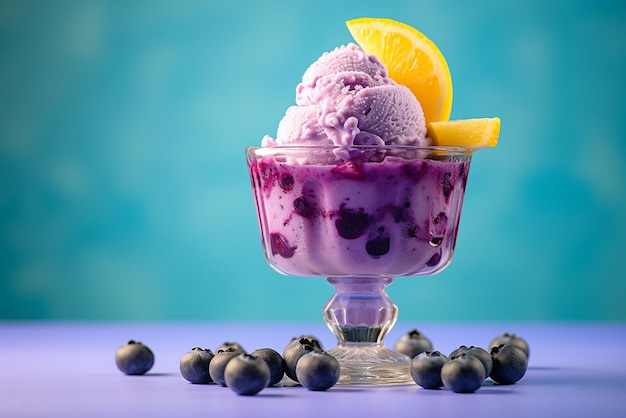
{"x": 471, "y": 133}
{"x": 411, "y": 59}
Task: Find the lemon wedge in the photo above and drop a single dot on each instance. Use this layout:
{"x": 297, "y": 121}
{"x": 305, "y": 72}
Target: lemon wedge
{"x": 411, "y": 59}
{"x": 471, "y": 133}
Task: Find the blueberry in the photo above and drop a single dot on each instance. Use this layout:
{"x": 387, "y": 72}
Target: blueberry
{"x": 317, "y": 370}
{"x": 426, "y": 369}
{"x": 218, "y": 364}
{"x": 134, "y": 358}
{"x": 280, "y": 246}
{"x": 296, "y": 348}
{"x": 351, "y": 224}
{"x": 305, "y": 208}
{"x": 412, "y": 343}
{"x": 194, "y": 365}
{"x": 414, "y": 171}
{"x": 275, "y": 362}
{"x": 286, "y": 182}
{"x": 399, "y": 214}
{"x": 509, "y": 364}
{"x": 378, "y": 246}
{"x": 513, "y": 339}
{"x": 463, "y": 374}
{"x": 246, "y": 374}
{"x": 436, "y": 241}
{"x": 229, "y": 344}
{"x": 434, "y": 260}
{"x": 480, "y": 353}
{"x": 307, "y": 204}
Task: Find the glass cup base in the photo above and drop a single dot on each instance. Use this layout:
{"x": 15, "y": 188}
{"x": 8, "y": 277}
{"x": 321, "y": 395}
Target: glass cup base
{"x": 366, "y": 364}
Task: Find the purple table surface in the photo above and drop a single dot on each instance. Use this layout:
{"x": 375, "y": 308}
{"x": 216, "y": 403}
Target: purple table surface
{"x": 67, "y": 369}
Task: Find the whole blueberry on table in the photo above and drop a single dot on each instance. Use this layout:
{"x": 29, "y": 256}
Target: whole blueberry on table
{"x": 480, "y": 353}
{"x": 275, "y": 362}
{"x": 509, "y": 364}
{"x": 229, "y": 344}
{"x": 246, "y": 374}
{"x": 134, "y": 358}
{"x": 426, "y": 369}
{"x": 463, "y": 374}
{"x": 507, "y": 338}
{"x": 194, "y": 365}
{"x": 412, "y": 343}
{"x": 317, "y": 370}
{"x": 296, "y": 348}
{"x": 218, "y": 363}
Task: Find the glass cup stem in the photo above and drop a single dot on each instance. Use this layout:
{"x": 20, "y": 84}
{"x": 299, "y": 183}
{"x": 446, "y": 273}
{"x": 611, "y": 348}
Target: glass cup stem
{"x": 360, "y": 314}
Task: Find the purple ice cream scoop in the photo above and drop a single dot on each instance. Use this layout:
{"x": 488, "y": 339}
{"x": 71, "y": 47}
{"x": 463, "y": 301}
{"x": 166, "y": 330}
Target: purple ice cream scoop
{"x": 348, "y": 58}
{"x": 345, "y": 98}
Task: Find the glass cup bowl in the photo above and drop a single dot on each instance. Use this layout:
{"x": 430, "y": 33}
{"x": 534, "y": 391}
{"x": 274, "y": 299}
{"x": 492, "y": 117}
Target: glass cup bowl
{"x": 360, "y": 216}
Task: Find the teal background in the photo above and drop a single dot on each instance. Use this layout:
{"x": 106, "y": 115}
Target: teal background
{"x": 124, "y": 193}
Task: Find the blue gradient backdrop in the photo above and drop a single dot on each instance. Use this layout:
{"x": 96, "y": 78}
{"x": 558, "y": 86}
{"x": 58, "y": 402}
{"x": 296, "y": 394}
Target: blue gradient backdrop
{"x": 123, "y": 186}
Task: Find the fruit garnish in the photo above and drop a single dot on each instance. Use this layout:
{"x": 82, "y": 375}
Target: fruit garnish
{"x": 463, "y": 374}
{"x": 513, "y": 339}
{"x": 247, "y": 375}
{"x": 510, "y": 363}
{"x": 426, "y": 369}
{"x": 134, "y": 358}
{"x": 194, "y": 365}
{"x": 297, "y": 348}
{"x": 471, "y": 133}
{"x": 411, "y": 59}
{"x": 412, "y": 343}
{"x": 217, "y": 365}
{"x": 275, "y": 362}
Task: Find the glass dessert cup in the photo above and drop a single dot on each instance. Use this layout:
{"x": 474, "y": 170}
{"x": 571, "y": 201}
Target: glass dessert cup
{"x": 360, "y": 216}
